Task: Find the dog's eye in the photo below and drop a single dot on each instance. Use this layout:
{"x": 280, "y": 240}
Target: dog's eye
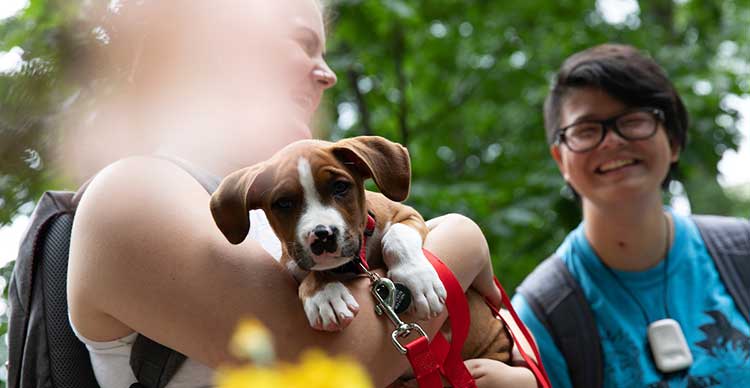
{"x": 283, "y": 203}
{"x": 340, "y": 188}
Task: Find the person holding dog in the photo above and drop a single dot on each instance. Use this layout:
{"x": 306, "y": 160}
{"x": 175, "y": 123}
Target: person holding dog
{"x": 146, "y": 256}
{"x": 650, "y": 308}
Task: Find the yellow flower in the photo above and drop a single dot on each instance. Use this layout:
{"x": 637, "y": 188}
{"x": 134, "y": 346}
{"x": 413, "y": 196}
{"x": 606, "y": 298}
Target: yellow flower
{"x": 315, "y": 369}
{"x": 252, "y": 341}
{"x": 249, "y": 377}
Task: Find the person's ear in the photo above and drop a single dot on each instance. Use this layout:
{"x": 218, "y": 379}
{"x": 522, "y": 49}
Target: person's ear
{"x": 556, "y": 153}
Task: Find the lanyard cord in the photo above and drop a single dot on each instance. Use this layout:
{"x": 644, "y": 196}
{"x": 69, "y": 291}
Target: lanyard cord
{"x": 664, "y": 283}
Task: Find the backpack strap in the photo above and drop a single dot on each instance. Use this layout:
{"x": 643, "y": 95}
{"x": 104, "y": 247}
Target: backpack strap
{"x": 558, "y": 302}
{"x": 728, "y": 241}
{"x": 154, "y": 364}
{"x": 209, "y": 181}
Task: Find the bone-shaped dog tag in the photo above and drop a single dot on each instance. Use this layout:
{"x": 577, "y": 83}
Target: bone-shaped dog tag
{"x": 401, "y": 299}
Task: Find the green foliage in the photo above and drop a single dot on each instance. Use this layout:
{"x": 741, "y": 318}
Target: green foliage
{"x": 460, "y": 82}
{"x": 30, "y": 97}
{"x": 5, "y": 273}
{"x": 463, "y": 83}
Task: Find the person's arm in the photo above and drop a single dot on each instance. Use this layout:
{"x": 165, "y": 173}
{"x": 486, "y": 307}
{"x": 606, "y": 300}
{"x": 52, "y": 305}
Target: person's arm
{"x": 462, "y": 246}
{"x": 147, "y": 256}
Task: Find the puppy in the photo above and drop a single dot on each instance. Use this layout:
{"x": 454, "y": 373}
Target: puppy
{"x": 313, "y": 194}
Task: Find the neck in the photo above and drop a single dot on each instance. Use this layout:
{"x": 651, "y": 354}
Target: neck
{"x": 629, "y": 237}
{"x": 222, "y": 146}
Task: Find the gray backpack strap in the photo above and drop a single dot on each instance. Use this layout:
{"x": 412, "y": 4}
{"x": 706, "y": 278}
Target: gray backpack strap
{"x": 209, "y": 181}
{"x": 154, "y": 364}
{"x": 728, "y": 241}
{"x": 558, "y": 302}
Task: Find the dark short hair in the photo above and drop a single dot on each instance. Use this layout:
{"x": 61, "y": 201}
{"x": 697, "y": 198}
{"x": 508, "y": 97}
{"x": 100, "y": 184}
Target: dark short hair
{"x": 628, "y": 76}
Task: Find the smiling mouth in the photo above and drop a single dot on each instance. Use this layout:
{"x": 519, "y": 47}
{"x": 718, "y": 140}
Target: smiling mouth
{"x": 616, "y": 165}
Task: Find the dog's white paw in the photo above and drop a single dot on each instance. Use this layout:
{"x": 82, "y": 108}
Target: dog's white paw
{"x": 332, "y": 308}
{"x": 427, "y": 291}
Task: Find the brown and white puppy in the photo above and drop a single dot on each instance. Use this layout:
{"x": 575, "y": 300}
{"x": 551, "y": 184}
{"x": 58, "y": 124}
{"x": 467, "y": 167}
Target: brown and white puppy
{"x": 313, "y": 194}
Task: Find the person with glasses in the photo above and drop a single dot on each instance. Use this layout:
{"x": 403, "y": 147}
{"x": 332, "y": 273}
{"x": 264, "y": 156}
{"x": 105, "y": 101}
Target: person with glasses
{"x": 616, "y": 126}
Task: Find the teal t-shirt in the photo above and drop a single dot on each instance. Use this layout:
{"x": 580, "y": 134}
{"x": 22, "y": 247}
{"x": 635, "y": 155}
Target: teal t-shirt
{"x": 716, "y": 332}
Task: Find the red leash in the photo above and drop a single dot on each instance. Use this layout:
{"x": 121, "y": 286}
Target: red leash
{"x": 444, "y": 357}
{"x": 536, "y": 367}
{"x": 430, "y": 360}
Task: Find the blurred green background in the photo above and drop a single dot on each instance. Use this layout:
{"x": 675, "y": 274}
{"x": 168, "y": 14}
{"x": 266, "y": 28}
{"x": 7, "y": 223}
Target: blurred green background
{"x": 461, "y": 83}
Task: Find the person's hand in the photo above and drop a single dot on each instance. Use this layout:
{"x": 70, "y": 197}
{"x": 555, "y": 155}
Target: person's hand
{"x": 494, "y": 374}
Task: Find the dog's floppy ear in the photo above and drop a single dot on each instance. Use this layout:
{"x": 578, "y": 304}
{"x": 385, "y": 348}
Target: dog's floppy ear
{"x": 238, "y": 193}
{"x": 386, "y": 162}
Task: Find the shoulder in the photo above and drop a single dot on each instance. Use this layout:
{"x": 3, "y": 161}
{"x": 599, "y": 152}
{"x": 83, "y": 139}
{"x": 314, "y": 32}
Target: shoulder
{"x": 719, "y": 223}
{"x": 717, "y": 232}
{"x": 137, "y": 181}
{"x": 132, "y": 201}
{"x": 549, "y": 281}
{"x": 140, "y": 201}
{"x": 134, "y": 218}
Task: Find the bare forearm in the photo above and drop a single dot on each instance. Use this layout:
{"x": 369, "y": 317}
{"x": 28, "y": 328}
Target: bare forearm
{"x": 460, "y": 243}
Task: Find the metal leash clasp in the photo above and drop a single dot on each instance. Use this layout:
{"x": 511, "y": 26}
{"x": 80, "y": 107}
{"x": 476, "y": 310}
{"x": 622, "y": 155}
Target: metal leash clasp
{"x": 386, "y": 305}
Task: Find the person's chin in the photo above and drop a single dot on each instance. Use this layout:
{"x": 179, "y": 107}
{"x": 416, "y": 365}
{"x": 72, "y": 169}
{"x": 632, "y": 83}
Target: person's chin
{"x": 626, "y": 190}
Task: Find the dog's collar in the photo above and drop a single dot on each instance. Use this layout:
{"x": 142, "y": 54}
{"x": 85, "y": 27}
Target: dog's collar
{"x": 353, "y": 265}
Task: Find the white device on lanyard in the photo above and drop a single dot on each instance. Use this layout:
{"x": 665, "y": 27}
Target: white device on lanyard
{"x": 668, "y": 346}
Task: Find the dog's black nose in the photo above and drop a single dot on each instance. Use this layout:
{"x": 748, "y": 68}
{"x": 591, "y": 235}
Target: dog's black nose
{"x": 322, "y": 231}
{"x": 324, "y": 240}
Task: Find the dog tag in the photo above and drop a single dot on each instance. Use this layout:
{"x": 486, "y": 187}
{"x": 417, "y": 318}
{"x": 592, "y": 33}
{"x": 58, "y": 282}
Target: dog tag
{"x": 401, "y": 297}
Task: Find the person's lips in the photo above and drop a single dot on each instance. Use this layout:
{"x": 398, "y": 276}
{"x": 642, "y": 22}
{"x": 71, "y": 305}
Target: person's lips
{"x": 616, "y": 164}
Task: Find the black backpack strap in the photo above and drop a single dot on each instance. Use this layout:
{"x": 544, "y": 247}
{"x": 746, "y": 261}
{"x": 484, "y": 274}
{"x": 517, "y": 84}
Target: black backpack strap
{"x": 154, "y": 364}
{"x": 65, "y": 349}
{"x": 558, "y": 302}
{"x": 728, "y": 241}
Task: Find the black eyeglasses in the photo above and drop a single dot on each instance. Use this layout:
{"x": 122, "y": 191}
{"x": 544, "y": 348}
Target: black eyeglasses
{"x": 634, "y": 124}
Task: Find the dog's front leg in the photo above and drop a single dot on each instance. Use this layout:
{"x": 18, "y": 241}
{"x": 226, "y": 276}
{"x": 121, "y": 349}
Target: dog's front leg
{"x": 407, "y": 264}
{"x": 328, "y": 304}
